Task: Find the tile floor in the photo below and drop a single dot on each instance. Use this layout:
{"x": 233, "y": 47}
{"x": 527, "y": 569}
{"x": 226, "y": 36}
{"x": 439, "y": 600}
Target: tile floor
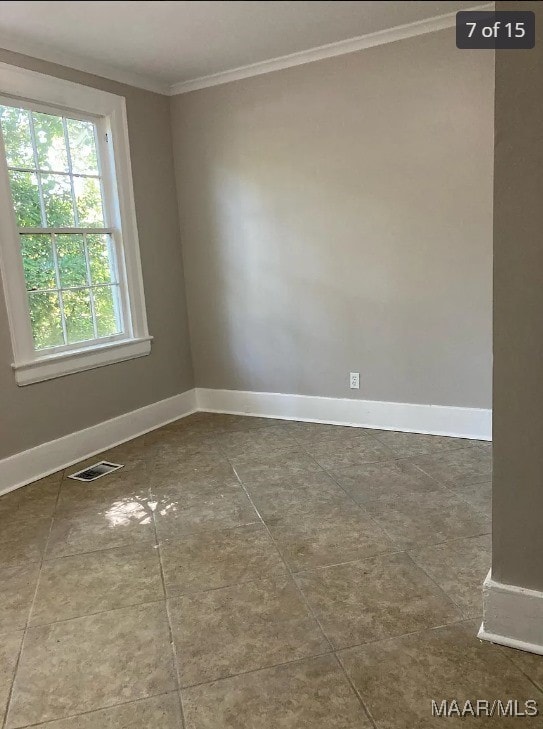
{"x": 246, "y": 573}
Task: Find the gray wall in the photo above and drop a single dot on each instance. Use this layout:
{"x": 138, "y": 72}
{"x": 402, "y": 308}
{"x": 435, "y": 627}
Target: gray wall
{"x": 518, "y": 315}
{"x": 337, "y": 216}
{"x": 38, "y": 413}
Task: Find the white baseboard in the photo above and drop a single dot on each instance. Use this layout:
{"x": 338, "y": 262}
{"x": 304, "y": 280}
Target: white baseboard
{"x": 513, "y": 616}
{"x": 35, "y": 463}
{"x": 433, "y": 419}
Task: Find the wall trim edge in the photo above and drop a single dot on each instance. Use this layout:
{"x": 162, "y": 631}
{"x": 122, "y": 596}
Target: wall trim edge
{"x": 35, "y": 463}
{"x": 460, "y": 422}
{"x": 512, "y": 616}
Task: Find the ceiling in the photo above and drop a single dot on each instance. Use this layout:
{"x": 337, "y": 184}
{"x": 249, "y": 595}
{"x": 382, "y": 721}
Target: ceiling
{"x": 160, "y": 44}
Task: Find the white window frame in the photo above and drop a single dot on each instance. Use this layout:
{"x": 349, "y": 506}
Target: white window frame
{"x": 109, "y": 112}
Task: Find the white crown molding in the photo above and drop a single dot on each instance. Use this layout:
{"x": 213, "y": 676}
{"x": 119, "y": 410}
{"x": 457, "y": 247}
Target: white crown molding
{"x": 512, "y": 616}
{"x": 114, "y": 73}
{"x": 475, "y": 423}
{"x": 340, "y": 48}
{"x": 87, "y": 65}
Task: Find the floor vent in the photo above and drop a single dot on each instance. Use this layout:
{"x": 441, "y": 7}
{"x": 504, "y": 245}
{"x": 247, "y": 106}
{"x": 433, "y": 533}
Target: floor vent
{"x": 97, "y": 471}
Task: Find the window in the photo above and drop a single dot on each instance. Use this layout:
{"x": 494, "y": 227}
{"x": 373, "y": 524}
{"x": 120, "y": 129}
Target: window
{"x": 71, "y": 274}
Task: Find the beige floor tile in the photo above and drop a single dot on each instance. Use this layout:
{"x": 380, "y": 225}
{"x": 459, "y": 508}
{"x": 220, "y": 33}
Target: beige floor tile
{"x": 159, "y": 712}
{"x": 255, "y": 441}
{"x": 316, "y": 523}
{"x": 337, "y": 503}
{"x": 304, "y": 695}
{"x": 223, "y": 632}
{"x": 375, "y": 598}
{"x": 314, "y": 485}
{"x": 414, "y": 520}
{"x": 202, "y": 460}
{"x": 459, "y": 568}
{"x": 93, "y": 662}
{"x": 296, "y": 497}
{"x": 321, "y": 537}
{"x": 374, "y": 480}
{"x": 163, "y": 442}
{"x": 193, "y": 473}
{"x": 36, "y": 500}
{"x": 174, "y": 455}
{"x": 398, "y": 678}
{"x": 308, "y": 434}
{"x": 275, "y": 466}
{"x": 17, "y": 588}
{"x": 74, "y": 586}
{"x": 460, "y": 466}
{"x": 116, "y": 522}
{"x": 219, "y": 423}
{"x": 211, "y": 559}
{"x": 364, "y": 449}
{"x": 23, "y": 538}
{"x": 296, "y": 494}
{"x": 529, "y": 663}
{"x": 167, "y": 491}
{"x": 10, "y": 644}
{"x": 222, "y": 510}
{"x": 414, "y": 444}
{"x": 479, "y": 495}
{"x": 131, "y": 452}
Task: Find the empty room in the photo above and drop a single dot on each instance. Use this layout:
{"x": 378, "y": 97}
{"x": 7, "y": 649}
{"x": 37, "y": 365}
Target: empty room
{"x": 271, "y": 335}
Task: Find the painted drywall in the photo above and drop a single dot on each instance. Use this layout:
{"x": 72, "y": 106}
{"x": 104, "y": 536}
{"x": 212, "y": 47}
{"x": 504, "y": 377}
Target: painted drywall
{"x": 337, "y": 217}
{"x": 517, "y": 536}
{"x": 44, "y": 411}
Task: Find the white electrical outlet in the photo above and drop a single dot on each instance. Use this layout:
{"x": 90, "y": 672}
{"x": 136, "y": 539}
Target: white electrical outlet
{"x": 354, "y": 380}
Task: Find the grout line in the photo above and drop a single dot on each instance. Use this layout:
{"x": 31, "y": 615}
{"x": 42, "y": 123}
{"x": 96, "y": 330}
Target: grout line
{"x": 128, "y": 546}
{"x": 170, "y": 629}
{"x": 441, "y": 488}
{"x": 30, "y": 608}
{"x": 365, "y": 511}
{"x": 157, "y": 544}
{"x": 357, "y": 693}
{"x": 508, "y": 655}
{"x": 460, "y": 621}
{"x": 304, "y": 599}
{"x": 257, "y": 670}
{"x": 447, "y": 597}
{"x": 98, "y": 612}
{"x": 309, "y": 607}
{"x": 95, "y": 711}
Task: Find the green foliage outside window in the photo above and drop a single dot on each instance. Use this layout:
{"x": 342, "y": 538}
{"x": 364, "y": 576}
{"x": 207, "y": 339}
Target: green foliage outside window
{"x": 54, "y": 178}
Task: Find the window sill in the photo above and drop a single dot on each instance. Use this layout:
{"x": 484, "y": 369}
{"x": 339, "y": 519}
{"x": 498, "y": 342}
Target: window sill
{"x": 51, "y": 366}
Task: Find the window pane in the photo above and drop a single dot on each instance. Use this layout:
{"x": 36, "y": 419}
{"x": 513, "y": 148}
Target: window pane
{"x": 72, "y": 265}
{"x": 88, "y": 198}
{"x": 106, "y": 307}
{"x": 57, "y": 199}
{"x": 45, "y": 319}
{"x": 26, "y": 198}
{"x": 100, "y": 260}
{"x": 77, "y": 312}
{"x": 39, "y": 267}
{"x": 50, "y": 142}
{"x": 17, "y": 140}
{"x": 82, "y": 147}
